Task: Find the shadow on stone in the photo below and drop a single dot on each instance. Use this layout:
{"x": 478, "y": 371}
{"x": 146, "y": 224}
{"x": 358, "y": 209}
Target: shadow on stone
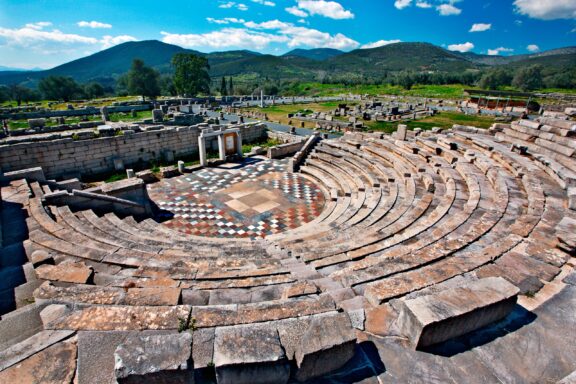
{"x": 366, "y": 363}
{"x": 513, "y": 322}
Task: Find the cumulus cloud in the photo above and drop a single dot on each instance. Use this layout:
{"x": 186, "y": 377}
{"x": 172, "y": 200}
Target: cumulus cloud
{"x": 226, "y": 20}
{"x": 39, "y": 25}
{"x": 93, "y": 24}
{"x": 233, "y": 4}
{"x": 265, "y": 2}
{"x": 330, "y": 9}
{"x": 497, "y": 51}
{"x": 547, "y": 9}
{"x": 380, "y": 43}
{"x": 448, "y": 10}
{"x": 401, "y": 4}
{"x": 110, "y": 41}
{"x": 464, "y": 47}
{"x": 35, "y": 38}
{"x": 302, "y": 36}
{"x": 533, "y": 48}
{"x": 480, "y": 27}
{"x": 423, "y": 4}
{"x": 296, "y": 12}
{"x": 225, "y": 38}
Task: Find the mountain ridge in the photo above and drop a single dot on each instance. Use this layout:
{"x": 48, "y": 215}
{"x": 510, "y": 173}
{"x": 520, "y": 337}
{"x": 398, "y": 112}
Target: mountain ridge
{"x": 300, "y": 64}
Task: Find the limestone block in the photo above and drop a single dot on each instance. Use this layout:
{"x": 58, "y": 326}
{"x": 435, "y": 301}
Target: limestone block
{"x": 435, "y": 318}
{"x": 68, "y": 272}
{"x": 327, "y": 345}
{"x": 401, "y": 132}
{"x": 155, "y": 359}
{"x": 250, "y": 354}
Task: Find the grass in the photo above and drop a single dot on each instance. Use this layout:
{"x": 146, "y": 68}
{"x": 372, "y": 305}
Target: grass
{"x": 264, "y": 144}
{"x": 116, "y": 177}
{"x": 280, "y": 112}
{"x": 455, "y": 91}
{"x": 442, "y": 120}
{"x": 115, "y": 117}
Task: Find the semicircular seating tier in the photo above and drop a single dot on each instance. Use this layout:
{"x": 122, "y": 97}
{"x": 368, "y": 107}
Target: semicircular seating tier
{"x": 403, "y": 219}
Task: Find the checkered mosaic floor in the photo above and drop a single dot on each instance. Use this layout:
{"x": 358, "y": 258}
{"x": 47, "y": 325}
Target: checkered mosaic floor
{"x": 255, "y": 201}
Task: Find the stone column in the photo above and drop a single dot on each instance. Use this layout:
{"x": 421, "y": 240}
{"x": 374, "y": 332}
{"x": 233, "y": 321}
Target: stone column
{"x": 221, "y": 148}
{"x": 202, "y": 150}
{"x": 239, "y": 144}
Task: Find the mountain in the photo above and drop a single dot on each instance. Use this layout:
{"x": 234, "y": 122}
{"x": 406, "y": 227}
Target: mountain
{"x": 503, "y": 60}
{"x": 319, "y": 54}
{"x": 398, "y": 57}
{"x": 299, "y": 64}
{"x": 11, "y": 69}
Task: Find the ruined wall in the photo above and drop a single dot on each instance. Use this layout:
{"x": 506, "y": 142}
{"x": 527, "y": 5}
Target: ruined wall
{"x": 72, "y": 158}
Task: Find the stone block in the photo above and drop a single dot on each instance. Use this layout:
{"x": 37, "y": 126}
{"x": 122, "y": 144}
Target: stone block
{"x": 328, "y": 344}
{"x": 68, "y": 272}
{"x": 155, "y": 359}
{"x": 435, "y": 318}
{"x": 250, "y": 354}
{"x": 401, "y": 132}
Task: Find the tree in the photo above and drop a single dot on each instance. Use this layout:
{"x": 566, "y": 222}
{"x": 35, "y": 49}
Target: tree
{"x": 4, "y": 93}
{"x": 528, "y": 78}
{"x": 191, "y": 74}
{"x": 143, "y": 80}
{"x": 223, "y": 87}
{"x": 93, "y": 90}
{"x": 230, "y": 86}
{"x": 167, "y": 86}
{"x": 495, "y": 79}
{"x": 19, "y": 93}
{"x": 59, "y": 88}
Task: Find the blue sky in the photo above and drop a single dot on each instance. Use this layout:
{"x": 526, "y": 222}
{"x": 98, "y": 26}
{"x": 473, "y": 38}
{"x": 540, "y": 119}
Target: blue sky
{"x": 46, "y": 33}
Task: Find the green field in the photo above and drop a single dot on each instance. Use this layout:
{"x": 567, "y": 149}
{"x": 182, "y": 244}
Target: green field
{"x": 279, "y": 113}
{"x": 431, "y": 91}
{"x": 442, "y": 120}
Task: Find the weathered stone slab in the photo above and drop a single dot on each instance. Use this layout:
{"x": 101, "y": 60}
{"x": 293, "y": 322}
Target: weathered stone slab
{"x": 66, "y": 272}
{"x": 152, "y": 296}
{"x": 203, "y": 347}
{"x": 435, "y": 318}
{"x": 155, "y": 359}
{"x": 56, "y": 364}
{"x": 250, "y": 354}
{"x": 118, "y": 318}
{"x": 327, "y": 345}
{"x": 31, "y": 346}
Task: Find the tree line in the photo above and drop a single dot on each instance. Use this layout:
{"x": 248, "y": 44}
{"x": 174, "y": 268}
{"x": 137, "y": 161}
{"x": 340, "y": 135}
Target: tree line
{"x": 191, "y": 78}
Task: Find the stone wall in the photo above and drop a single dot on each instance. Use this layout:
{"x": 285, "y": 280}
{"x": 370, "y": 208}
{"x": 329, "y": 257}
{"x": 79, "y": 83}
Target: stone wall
{"x": 73, "y": 112}
{"x": 66, "y": 158}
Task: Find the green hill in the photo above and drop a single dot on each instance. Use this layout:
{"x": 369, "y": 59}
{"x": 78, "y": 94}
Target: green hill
{"x": 319, "y": 54}
{"x": 299, "y": 64}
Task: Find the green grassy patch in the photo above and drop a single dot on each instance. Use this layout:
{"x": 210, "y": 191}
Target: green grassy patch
{"x": 442, "y": 120}
{"x": 262, "y": 143}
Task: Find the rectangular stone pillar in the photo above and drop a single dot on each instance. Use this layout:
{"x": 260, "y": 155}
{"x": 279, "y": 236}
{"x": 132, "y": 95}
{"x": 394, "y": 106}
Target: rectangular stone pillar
{"x": 221, "y": 147}
{"x": 202, "y": 150}
{"x": 239, "y": 144}
{"x": 401, "y": 132}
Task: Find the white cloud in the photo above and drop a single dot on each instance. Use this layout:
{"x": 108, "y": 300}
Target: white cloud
{"x": 465, "y": 47}
{"x": 401, "y": 4}
{"x": 302, "y": 36}
{"x": 55, "y": 41}
{"x": 330, "y": 9}
{"x": 296, "y": 12}
{"x": 480, "y": 27}
{"x": 265, "y": 2}
{"x": 225, "y": 38}
{"x": 226, "y": 20}
{"x": 39, "y": 25}
{"x": 448, "y": 10}
{"x": 547, "y": 9}
{"x": 423, "y": 4}
{"x": 379, "y": 43}
{"x": 533, "y": 48}
{"x": 497, "y": 51}
{"x": 110, "y": 41}
{"x": 233, "y": 4}
{"x": 93, "y": 24}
